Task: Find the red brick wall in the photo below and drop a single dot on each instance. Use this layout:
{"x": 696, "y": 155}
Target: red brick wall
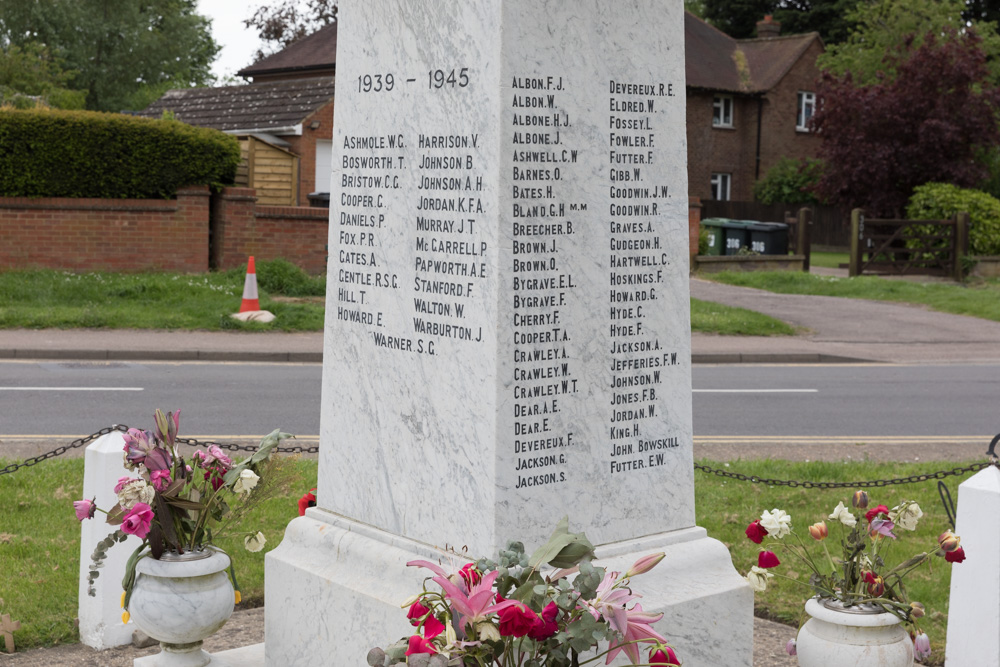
{"x": 305, "y": 147}
{"x": 106, "y": 234}
{"x": 694, "y": 224}
{"x": 734, "y": 150}
{"x": 241, "y": 228}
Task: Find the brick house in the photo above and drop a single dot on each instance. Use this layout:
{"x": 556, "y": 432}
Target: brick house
{"x": 288, "y": 106}
{"x": 748, "y": 102}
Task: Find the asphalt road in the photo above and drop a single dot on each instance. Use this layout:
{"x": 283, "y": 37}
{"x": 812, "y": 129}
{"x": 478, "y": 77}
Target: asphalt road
{"x": 732, "y": 403}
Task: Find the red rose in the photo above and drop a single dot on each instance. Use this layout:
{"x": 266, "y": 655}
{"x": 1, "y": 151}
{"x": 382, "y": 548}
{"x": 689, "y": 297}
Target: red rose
{"x": 516, "y": 621}
{"x": 767, "y": 559}
{"x": 956, "y": 556}
{"x": 417, "y": 611}
{"x": 756, "y": 532}
{"x": 306, "y": 501}
{"x": 663, "y": 656}
{"x": 872, "y": 513}
{"x": 546, "y": 625}
{"x": 470, "y": 575}
{"x": 418, "y": 644}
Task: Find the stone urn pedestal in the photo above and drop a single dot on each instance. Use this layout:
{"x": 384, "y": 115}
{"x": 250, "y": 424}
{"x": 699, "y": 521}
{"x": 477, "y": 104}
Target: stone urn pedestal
{"x": 860, "y": 636}
{"x": 180, "y": 600}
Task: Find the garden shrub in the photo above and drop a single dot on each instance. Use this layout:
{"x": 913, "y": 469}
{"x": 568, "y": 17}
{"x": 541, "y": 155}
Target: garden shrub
{"x": 52, "y": 153}
{"x": 940, "y": 201}
{"x": 789, "y": 181}
{"x": 279, "y": 276}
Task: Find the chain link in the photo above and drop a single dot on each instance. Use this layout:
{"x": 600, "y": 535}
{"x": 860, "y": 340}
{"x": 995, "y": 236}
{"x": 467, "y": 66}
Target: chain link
{"x": 80, "y": 442}
{"x": 878, "y": 483}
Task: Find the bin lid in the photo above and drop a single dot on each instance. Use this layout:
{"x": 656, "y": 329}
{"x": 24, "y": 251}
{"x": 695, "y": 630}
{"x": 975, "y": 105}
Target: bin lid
{"x": 766, "y": 226}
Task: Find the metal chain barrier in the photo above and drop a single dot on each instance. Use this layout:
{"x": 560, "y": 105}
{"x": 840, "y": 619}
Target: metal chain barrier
{"x": 80, "y": 442}
{"x": 878, "y": 483}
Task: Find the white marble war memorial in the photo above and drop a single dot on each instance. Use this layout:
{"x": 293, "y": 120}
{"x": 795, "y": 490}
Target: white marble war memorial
{"x": 507, "y": 335}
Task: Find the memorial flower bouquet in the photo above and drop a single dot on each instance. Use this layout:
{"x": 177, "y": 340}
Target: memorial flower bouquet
{"x": 177, "y": 505}
{"x": 860, "y": 573}
{"x": 507, "y": 613}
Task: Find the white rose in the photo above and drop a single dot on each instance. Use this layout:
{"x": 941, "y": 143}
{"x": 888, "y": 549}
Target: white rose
{"x": 843, "y": 515}
{"x": 254, "y": 543}
{"x": 777, "y": 523}
{"x": 246, "y": 481}
{"x": 757, "y": 578}
{"x": 905, "y": 515}
{"x": 136, "y": 492}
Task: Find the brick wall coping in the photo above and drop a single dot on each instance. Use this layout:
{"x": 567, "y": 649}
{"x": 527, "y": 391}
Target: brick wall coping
{"x": 295, "y": 212}
{"x": 99, "y": 204}
{"x": 88, "y": 204}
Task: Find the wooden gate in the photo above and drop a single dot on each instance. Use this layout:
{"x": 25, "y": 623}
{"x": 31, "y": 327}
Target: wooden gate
{"x": 914, "y": 247}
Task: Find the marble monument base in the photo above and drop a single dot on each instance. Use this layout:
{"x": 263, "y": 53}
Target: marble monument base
{"x": 334, "y": 588}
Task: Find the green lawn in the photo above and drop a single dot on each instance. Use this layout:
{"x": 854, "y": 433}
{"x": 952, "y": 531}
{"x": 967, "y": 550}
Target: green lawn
{"x": 709, "y": 317}
{"x": 978, "y": 299}
{"x": 40, "y": 299}
{"x": 57, "y": 299}
{"x": 40, "y": 537}
{"x": 829, "y": 260}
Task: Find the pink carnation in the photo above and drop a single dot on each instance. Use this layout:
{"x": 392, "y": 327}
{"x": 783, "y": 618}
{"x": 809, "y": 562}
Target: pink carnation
{"x": 138, "y": 520}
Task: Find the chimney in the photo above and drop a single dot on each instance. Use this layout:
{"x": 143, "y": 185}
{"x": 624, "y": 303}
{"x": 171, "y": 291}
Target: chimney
{"x": 768, "y": 27}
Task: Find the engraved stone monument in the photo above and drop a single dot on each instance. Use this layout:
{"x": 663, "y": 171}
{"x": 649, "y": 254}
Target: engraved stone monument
{"x": 507, "y": 337}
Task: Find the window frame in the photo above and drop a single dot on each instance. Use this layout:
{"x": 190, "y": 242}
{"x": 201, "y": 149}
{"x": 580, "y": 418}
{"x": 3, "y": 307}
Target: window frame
{"x": 804, "y": 99}
{"x": 722, "y": 104}
{"x": 719, "y": 181}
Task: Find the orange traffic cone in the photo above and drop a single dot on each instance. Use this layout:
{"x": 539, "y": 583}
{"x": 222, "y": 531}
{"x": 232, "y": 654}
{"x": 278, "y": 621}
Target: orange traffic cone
{"x": 250, "y": 299}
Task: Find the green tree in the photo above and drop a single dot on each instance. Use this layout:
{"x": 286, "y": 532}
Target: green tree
{"x": 827, "y": 17}
{"x": 888, "y": 26}
{"x": 117, "y": 49}
{"x": 282, "y": 22}
{"x": 31, "y": 73}
{"x": 737, "y": 18}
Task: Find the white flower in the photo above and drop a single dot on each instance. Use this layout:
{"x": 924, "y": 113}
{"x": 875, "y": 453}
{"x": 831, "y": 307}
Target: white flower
{"x": 757, "y": 578}
{"x": 843, "y": 515}
{"x": 254, "y": 543}
{"x": 487, "y": 631}
{"x": 777, "y": 523}
{"x": 246, "y": 481}
{"x": 905, "y": 515}
{"x": 135, "y": 492}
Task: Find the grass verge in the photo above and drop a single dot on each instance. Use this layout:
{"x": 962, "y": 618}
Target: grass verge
{"x": 40, "y": 537}
{"x": 725, "y": 507}
{"x": 829, "y": 260}
{"x": 978, "y": 299}
{"x": 62, "y": 300}
{"x": 57, "y": 299}
{"x": 708, "y": 317}
{"x": 40, "y": 546}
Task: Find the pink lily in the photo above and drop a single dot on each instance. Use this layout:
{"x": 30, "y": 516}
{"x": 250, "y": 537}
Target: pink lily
{"x": 610, "y": 602}
{"x": 638, "y": 628}
{"x": 478, "y": 603}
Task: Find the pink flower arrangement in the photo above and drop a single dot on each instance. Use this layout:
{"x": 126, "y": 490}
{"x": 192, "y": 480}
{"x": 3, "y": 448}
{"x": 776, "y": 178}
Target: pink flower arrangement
{"x": 170, "y": 504}
{"x": 506, "y": 613}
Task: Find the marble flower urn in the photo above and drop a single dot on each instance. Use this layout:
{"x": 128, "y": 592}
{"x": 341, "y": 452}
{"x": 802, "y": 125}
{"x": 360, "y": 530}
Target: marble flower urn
{"x": 180, "y": 600}
{"x": 860, "y": 636}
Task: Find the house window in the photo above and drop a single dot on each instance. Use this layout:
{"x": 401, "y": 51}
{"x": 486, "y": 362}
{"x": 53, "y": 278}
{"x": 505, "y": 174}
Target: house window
{"x": 722, "y": 111}
{"x": 720, "y": 186}
{"x": 807, "y": 106}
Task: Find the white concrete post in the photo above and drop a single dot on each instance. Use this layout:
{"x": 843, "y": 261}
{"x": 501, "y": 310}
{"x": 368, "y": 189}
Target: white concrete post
{"x": 101, "y": 624}
{"x": 974, "y": 607}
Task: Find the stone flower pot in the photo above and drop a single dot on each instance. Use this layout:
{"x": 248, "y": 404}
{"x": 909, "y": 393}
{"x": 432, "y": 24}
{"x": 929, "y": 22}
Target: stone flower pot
{"x": 180, "y": 600}
{"x": 859, "y": 636}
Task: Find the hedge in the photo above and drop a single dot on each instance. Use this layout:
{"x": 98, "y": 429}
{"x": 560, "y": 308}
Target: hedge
{"x": 939, "y": 201}
{"x": 52, "y": 153}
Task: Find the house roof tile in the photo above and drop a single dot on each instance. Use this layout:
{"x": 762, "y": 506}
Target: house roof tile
{"x": 716, "y": 61}
{"x": 315, "y": 51}
{"x": 256, "y": 106}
